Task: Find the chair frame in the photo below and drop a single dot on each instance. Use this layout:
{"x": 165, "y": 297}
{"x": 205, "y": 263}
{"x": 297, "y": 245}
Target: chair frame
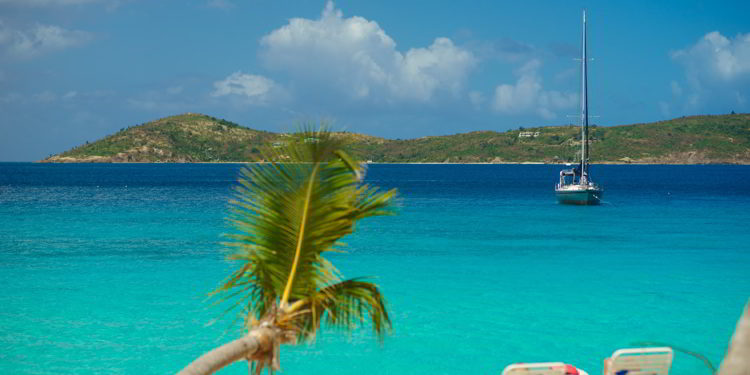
{"x": 540, "y": 368}
{"x": 640, "y": 361}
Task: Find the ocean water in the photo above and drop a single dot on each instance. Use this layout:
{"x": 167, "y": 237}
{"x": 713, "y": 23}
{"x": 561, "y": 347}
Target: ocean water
{"x": 105, "y": 268}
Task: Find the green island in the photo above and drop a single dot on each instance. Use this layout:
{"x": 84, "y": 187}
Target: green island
{"x": 190, "y": 138}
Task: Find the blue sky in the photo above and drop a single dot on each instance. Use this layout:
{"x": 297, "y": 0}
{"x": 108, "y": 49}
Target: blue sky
{"x": 73, "y": 71}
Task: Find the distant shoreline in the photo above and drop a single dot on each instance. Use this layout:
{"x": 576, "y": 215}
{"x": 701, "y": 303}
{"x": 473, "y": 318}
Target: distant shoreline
{"x": 195, "y": 138}
{"x": 386, "y": 163}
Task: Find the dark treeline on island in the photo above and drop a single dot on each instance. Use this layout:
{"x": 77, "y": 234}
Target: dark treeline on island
{"x": 200, "y": 138}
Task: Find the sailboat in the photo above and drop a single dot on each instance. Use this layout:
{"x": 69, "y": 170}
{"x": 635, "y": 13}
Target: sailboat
{"x": 576, "y": 186}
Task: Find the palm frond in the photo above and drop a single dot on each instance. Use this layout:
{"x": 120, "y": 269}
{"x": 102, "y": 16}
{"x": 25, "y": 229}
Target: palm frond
{"x": 286, "y": 214}
{"x": 344, "y": 305}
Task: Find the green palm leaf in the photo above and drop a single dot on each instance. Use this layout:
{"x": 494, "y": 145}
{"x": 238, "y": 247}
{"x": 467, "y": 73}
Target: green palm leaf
{"x": 286, "y": 214}
{"x": 344, "y": 305}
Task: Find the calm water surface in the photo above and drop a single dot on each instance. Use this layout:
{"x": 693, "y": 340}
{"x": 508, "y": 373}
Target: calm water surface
{"x": 105, "y": 268}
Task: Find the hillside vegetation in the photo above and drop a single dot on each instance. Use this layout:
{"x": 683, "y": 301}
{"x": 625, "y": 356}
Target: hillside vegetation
{"x": 199, "y": 138}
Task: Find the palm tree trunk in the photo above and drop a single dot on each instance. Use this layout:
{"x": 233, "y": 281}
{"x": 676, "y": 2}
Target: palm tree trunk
{"x": 737, "y": 359}
{"x": 259, "y": 340}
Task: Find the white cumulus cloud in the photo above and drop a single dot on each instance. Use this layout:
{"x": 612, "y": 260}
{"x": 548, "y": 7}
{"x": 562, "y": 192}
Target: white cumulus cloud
{"x": 39, "y": 39}
{"x": 527, "y": 95}
{"x": 717, "y": 70}
{"x": 355, "y": 57}
{"x": 253, "y": 88}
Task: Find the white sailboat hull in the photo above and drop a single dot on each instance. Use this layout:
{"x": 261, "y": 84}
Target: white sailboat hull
{"x": 579, "y": 194}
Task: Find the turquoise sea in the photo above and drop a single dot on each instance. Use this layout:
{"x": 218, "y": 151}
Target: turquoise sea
{"x": 104, "y": 268}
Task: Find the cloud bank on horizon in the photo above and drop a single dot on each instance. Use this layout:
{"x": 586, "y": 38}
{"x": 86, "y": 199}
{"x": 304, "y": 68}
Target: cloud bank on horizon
{"x": 347, "y": 68}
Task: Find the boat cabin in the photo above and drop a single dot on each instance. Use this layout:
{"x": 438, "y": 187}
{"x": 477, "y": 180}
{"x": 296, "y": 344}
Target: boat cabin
{"x": 573, "y": 176}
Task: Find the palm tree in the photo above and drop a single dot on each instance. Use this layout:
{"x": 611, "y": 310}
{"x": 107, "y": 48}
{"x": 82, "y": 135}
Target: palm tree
{"x": 737, "y": 359}
{"x": 286, "y": 214}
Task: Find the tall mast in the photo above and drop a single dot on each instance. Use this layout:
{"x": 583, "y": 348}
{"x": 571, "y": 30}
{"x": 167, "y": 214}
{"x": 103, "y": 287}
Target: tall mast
{"x": 584, "y": 106}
